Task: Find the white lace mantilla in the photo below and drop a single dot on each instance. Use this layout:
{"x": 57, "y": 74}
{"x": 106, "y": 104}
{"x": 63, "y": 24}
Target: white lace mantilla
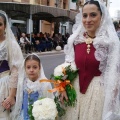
{"x": 3, "y": 51}
{"x": 34, "y": 86}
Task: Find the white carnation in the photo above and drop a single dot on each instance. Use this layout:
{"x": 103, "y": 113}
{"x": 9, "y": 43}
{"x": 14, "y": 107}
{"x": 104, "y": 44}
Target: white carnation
{"x": 44, "y": 109}
{"x": 59, "y": 69}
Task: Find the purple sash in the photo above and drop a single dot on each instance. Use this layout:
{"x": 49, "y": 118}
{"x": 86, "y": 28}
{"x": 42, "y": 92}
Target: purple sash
{"x": 4, "y": 66}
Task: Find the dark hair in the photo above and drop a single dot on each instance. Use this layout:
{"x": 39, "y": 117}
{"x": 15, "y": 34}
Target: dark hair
{"x": 95, "y": 3}
{"x": 116, "y": 25}
{"x": 4, "y": 18}
{"x": 32, "y": 57}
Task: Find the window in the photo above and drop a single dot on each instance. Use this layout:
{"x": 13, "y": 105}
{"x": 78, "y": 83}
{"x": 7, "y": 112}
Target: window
{"x": 25, "y": 1}
{"x": 64, "y": 4}
{"x": 48, "y": 2}
{"x": 37, "y": 1}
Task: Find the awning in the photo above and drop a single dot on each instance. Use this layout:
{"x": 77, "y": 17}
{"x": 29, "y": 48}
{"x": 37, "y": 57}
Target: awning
{"x": 24, "y": 10}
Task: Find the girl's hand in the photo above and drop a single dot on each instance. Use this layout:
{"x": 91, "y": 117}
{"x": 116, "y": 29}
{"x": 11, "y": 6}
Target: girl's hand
{"x": 8, "y": 102}
{"x": 62, "y": 96}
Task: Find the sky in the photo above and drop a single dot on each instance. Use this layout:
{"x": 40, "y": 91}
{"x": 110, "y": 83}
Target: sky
{"x": 114, "y": 5}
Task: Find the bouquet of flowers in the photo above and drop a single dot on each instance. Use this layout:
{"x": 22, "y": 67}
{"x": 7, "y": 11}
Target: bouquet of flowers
{"x": 63, "y": 76}
{"x": 44, "y": 109}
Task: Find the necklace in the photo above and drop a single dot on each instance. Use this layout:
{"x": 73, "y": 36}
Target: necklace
{"x": 90, "y": 36}
{"x": 88, "y": 41}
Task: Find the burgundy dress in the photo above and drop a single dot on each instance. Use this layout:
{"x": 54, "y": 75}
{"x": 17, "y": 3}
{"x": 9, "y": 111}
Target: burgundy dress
{"x": 87, "y": 64}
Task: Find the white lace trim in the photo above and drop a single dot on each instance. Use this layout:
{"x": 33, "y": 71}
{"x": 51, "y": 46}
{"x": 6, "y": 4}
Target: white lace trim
{"x": 3, "y": 51}
{"x": 34, "y": 86}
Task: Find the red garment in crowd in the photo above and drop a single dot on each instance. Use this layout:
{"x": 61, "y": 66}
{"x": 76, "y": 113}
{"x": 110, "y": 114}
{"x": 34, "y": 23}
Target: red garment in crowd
{"x": 87, "y": 64}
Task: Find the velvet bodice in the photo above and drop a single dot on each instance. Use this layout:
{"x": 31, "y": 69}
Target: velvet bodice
{"x": 87, "y": 64}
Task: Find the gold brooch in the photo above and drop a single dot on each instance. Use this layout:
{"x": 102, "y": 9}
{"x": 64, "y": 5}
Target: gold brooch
{"x": 88, "y": 41}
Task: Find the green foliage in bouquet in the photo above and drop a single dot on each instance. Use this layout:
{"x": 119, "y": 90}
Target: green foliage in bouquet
{"x": 30, "y": 107}
{"x": 56, "y": 77}
{"x": 71, "y": 93}
{"x": 70, "y": 75}
{"x": 61, "y": 111}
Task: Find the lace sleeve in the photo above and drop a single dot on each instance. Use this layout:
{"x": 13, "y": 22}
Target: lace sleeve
{"x": 69, "y": 55}
{"x": 15, "y": 62}
{"x": 13, "y": 77}
{"x": 111, "y": 82}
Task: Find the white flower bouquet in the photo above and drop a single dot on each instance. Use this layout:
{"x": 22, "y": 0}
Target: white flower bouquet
{"x": 64, "y": 75}
{"x": 62, "y": 79}
{"x": 58, "y": 71}
{"x": 44, "y": 109}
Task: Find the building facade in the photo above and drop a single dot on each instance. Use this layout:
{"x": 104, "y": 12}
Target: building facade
{"x": 39, "y": 16}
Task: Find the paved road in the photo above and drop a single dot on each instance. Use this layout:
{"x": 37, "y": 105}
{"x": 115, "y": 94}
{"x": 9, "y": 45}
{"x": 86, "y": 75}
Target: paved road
{"x": 49, "y": 62}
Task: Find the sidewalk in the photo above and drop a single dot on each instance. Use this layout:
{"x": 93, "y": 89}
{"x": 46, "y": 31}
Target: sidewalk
{"x": 46, "y": 53}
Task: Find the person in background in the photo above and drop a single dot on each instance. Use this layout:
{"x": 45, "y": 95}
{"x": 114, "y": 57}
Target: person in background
{"x": 118, "y": 32}
{"x": 15, "y": 31}
{"x": 34, "y": 42}
{"x": 117, "y": 28}
{"x": 25, "y": 43}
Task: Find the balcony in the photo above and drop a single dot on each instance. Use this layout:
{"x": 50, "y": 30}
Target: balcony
{"x": 6, "y": 1}
{"x": 22, "y": 1}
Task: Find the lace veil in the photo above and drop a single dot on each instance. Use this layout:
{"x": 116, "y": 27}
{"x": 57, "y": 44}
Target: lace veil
{"x": 108, "y": 53}
{"x": 19, "y": 97}
{"x": 14, "y": 55}
{"x": 12, "y": 45}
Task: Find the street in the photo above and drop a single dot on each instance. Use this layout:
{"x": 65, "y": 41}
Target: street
{"x": 49, "y": 62}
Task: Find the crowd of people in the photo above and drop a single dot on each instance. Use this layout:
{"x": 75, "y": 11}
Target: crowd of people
{"x": 42, "y": 42}
{"x": 93, "y": 48}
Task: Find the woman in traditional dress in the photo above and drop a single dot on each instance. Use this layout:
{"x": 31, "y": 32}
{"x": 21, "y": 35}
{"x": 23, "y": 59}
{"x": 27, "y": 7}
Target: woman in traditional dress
{"x": 95, "y": 50}
{"x": 10, "y": 62}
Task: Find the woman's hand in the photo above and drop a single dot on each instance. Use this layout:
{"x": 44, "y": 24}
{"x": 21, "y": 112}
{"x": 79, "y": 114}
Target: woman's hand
{"x": 62, "y": 96}
{"x": 8, "y": 102}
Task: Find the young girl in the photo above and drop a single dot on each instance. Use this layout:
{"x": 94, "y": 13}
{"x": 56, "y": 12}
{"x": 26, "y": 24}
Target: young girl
{"x": 32, "y": 88}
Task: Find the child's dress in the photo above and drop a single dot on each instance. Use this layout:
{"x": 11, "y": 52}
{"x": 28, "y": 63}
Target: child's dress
{"x": 32, "y": 92}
